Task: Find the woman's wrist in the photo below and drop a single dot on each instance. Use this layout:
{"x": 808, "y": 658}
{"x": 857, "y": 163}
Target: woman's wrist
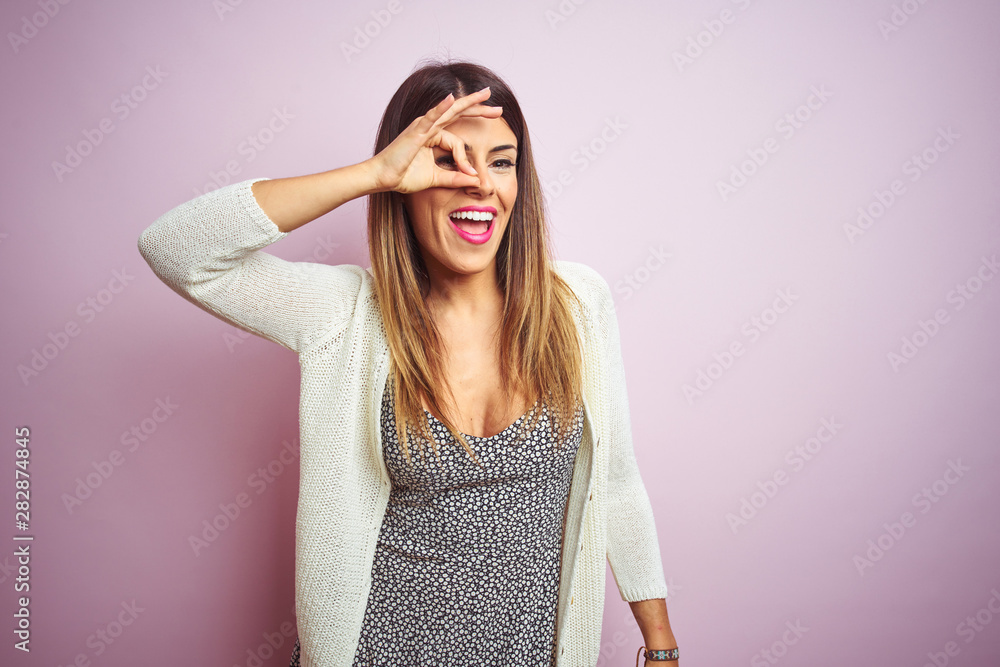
{"x": 656, "y": 656}
{"x": 294, "y": 201}
{"x": 369, "y": 176}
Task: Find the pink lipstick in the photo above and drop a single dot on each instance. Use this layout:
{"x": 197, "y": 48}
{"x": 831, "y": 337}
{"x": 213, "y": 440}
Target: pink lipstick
{"x": 476, "y": 228}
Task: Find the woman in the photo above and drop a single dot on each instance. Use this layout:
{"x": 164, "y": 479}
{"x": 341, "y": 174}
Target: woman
{"x": 466, "y": 457}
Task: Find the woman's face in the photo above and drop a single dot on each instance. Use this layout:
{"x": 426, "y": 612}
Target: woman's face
{"x": 468, "y": 246}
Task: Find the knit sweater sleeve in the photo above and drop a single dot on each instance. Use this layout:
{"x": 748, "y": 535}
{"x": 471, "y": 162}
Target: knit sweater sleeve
{"x": 633, "y": 547}
{"x": 208, "y": 250}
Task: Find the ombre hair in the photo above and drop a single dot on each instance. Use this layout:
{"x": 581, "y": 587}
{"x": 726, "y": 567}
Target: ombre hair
{"x": 539, "y": 348}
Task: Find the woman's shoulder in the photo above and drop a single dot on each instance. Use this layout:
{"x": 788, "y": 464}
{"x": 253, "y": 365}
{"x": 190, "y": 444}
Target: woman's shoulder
{"x": 591, "y": 290}
{"x": 585, "y": 281}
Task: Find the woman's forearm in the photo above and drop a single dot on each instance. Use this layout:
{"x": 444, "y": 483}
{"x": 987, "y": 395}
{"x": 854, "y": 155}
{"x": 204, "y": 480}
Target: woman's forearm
{"x": 651, "y": 617}
{"x": 292, "y": 202}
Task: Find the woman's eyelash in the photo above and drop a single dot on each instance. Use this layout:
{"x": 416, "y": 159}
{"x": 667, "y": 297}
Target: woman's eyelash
{"x": 507, "y": 163}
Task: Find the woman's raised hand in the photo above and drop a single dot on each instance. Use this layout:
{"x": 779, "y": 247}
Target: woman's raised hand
{"x": 407, "y": 164}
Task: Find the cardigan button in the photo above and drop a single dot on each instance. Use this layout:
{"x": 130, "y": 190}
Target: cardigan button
{"x": 571, "y": 600}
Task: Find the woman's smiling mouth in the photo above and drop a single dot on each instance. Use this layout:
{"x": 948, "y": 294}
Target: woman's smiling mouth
{"x": 473, "y": 223}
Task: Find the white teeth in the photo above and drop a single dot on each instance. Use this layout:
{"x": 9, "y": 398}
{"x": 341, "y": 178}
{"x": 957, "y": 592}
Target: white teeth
{"x": 472, "y": 215}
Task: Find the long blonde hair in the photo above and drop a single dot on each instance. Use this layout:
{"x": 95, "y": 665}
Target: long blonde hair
{"x": 539, "y": 348}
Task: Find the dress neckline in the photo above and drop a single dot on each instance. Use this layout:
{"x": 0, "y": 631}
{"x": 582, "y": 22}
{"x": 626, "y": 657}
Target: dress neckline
{"x": 517, "y": 421}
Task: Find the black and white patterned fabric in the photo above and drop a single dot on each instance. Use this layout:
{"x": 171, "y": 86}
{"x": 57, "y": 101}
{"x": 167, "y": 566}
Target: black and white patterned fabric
{"x": 466, "y": 569}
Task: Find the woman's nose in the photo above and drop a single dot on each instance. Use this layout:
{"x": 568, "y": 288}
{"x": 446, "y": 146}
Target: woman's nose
{"x": 484, "y": 175}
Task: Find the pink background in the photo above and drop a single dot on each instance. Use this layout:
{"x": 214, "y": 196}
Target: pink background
{"x": 645, "y": 209}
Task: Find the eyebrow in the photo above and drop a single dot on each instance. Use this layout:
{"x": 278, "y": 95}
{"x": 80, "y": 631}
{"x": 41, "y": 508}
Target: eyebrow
{"x": 495, "y": 149}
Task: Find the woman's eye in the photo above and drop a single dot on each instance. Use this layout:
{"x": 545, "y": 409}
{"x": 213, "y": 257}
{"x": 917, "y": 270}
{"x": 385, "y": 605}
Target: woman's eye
{"x": 503, "y": 164}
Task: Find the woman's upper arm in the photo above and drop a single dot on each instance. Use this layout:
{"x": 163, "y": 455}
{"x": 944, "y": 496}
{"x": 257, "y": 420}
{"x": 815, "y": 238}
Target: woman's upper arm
{"x": 208, "y": 250}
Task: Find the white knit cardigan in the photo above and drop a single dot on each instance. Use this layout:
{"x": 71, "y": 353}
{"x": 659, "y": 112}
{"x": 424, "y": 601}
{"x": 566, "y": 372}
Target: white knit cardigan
{"x": 209, "y": 251}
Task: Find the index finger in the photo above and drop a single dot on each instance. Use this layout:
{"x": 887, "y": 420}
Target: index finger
{"x": 470, "y": 106}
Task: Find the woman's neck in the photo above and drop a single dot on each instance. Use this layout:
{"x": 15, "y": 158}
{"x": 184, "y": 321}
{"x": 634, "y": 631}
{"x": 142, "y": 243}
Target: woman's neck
{"x": 465, "y": 297}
